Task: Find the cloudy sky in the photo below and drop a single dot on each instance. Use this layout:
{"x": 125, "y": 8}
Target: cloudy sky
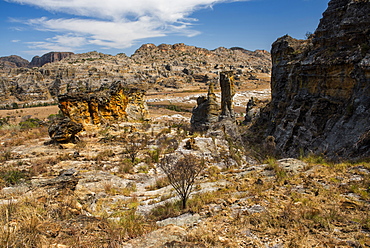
{"x": 35, "y": 27}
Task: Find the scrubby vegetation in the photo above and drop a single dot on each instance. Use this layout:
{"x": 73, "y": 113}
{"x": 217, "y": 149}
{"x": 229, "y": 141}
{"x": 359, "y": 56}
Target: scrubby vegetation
{"x": 319, "y": 203}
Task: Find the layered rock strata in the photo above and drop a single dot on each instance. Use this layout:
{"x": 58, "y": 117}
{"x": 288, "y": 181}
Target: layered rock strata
{"x": 321, "y": 86}
{"x": 114, "y": 104}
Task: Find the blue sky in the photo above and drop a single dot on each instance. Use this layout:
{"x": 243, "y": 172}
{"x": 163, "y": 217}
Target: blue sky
{"x": 35, "y": 27}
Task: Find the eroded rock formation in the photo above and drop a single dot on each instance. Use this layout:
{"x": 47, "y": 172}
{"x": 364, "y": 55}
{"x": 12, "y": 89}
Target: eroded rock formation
{"x": 227, "y": 94}
{"x": 117, "y": 103}
{"x": 321, "y": 86}
{"x": 206, "y": 111}
{"x": 13, "y": 61}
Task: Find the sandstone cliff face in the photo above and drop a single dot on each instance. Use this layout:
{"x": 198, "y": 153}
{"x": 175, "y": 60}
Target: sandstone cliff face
{"x": 114, "y": 104}
{"x": 48, "y": 58}
{"x": 321, "y": 86}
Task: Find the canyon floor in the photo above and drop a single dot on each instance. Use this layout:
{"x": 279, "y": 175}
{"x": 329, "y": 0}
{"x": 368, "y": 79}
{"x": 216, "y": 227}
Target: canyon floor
{"x": 93, "y": 194}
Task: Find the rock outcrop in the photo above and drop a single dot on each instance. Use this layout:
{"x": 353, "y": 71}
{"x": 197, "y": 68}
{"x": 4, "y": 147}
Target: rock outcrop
{"x": 48, "y": 58}
{"x": 227, "y": 93}
{"x": 206, "y": 111}
{"x": 117, "y": 103}
{"x": 321, "y": 86}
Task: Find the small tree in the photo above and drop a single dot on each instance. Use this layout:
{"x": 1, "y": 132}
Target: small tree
{"x": 134, "y": 143}
{"x": 181, "y": 173}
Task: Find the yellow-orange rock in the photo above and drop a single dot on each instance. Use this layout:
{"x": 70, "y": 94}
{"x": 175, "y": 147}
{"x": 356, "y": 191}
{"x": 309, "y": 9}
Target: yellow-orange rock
{"x": 105, "y": 106}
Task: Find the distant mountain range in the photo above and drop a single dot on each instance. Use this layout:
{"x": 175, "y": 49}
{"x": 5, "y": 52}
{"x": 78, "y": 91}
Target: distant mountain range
{"x": 14, "y": 61}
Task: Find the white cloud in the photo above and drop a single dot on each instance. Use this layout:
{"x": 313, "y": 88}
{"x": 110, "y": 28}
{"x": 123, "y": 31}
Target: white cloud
{"x": 115, "y": 23}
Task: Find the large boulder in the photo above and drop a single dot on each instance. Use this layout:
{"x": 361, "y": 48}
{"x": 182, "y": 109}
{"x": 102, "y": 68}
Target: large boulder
{"x": 64, "y": 131}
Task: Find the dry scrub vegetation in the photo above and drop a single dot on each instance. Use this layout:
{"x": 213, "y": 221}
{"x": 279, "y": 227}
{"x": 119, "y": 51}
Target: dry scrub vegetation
{"x": 262, "y": 205}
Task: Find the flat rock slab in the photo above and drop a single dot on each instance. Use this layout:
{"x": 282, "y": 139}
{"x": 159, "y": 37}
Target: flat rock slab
{"x": 182, "y": 220}
{"x": 292, "y": 165}
{"x": 158, "y": 238}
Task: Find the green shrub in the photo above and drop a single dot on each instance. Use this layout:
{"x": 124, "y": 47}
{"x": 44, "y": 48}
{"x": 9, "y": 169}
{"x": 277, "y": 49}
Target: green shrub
{"x": 30, "y": 123}
{"x": 12, "y": 177}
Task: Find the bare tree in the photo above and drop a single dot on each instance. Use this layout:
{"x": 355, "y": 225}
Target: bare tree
{"x": 182, "y": 173}
{"x": 134, "y": 143}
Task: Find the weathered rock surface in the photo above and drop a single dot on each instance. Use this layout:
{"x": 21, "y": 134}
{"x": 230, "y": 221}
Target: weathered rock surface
{"x": 321, "y": 86}
{"x": 114, "y": 104}
{"x": 206, "y": 111}
{"x": 48, "y": 58}
{"x": 64, "y": 131}
{"x": 227, "y": 93}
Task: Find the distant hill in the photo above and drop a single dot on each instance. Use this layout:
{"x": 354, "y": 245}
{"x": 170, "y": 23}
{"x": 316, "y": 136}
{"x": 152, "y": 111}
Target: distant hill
{"x": 151, "y": 67}
{"x": 13, "y": 61}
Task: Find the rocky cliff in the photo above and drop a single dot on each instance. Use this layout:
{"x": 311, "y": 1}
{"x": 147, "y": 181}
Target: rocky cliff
{"x": 321, "y": 86}
{"x": 48, "y": 58}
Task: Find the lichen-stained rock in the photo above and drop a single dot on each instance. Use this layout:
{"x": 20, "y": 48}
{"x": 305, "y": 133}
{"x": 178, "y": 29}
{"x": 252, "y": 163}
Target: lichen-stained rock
{"x": 114, "y": 104}
{"x": 136, "y": 109}
{"x": 227, "y": 94}
{"x": 206, "y": 111}
{"x": 64, "y": 131}
{"x": 321, "y": 86}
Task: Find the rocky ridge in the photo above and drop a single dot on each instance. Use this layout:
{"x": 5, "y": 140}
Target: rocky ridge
{"x": 321, "y": 86}
{"x": 151, "y": 67}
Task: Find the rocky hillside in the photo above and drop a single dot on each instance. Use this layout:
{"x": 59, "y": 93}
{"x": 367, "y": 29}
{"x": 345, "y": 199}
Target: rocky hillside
{"x": 150, "y": 67}
{"x": 321, "y": 86}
